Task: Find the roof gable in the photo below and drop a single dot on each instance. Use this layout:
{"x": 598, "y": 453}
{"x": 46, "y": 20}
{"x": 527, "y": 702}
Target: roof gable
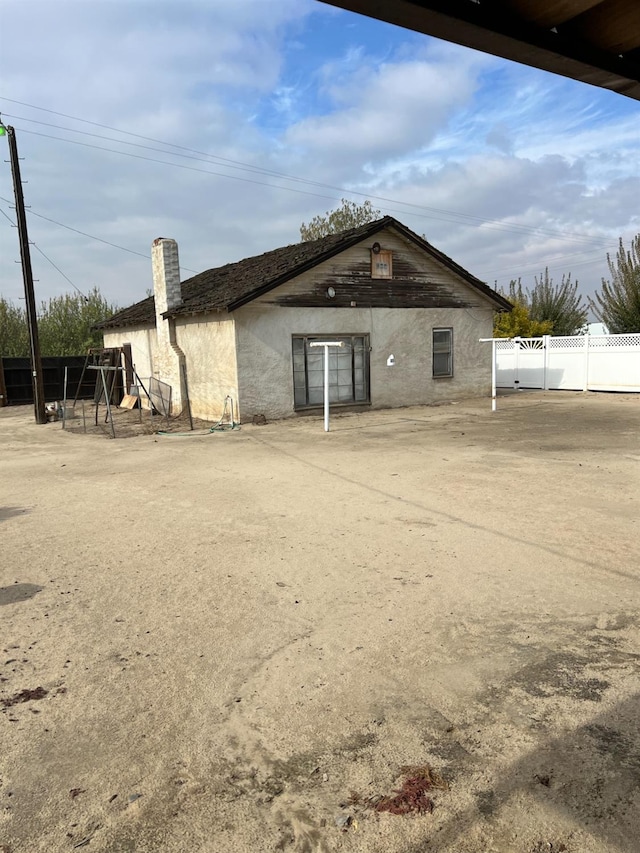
{"x": 229, "y": 287}
{"x": 418, "y": 280}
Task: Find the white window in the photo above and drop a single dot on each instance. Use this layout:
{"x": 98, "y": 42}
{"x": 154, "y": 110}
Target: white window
{"x": 442, "y": 352}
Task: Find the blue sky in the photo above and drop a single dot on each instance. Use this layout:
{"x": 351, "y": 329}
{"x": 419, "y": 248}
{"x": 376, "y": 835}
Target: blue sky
{"x": 282, "y": 107}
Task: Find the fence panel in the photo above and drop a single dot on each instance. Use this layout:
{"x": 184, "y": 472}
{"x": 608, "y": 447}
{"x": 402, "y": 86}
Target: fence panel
{"x": 614, "y": 363}
{"x": 19, "y": 386}
{"x": 575, "y": 363}
{"x": 505, "y": 363}
{"x": 566, "y": 363}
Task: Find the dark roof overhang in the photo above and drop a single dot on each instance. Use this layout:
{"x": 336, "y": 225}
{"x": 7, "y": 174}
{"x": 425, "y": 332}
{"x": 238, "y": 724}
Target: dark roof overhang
{"x": 594, "y": 41}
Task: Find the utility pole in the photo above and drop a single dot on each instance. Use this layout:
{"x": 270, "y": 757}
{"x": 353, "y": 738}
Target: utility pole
{"x": 27, "y": 276}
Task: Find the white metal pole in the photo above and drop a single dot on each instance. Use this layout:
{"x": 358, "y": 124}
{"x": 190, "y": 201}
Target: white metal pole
{"x": 326, "y": 388}
{"x": 325, "y": 345}
{"x": 494, "y": 402}
{"x": 494, "y": 370}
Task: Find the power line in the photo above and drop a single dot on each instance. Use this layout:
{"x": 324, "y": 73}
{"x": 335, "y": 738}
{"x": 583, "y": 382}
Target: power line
{"x": 64, "y": 275}
{"x": 231, "y": 164}
{"x": 513, "y": 228}
{"x": 237, "y": 164}
{"x": 152, "y": 139}
{"x": 546, "y": 263}
{"x": 8, "y": 217}
{"x": 92, "y": 236}
{"x": 175, "y": 165}
{"x": 37, "y": 248}
{"x": 84, "y": 234}
{"x": 487, "y": 274}
{"x": 493, "y": 225}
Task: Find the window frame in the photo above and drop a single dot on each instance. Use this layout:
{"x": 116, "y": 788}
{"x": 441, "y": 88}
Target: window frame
{"x": 441, "y": 351}
{"x": 366, "y": 349}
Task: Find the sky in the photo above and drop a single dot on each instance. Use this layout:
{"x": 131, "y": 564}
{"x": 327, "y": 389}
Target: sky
{"x": 225, "y": 125}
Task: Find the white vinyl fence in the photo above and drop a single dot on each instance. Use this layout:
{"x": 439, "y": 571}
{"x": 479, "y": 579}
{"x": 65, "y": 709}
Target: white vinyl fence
{"x": 577, "y": 363}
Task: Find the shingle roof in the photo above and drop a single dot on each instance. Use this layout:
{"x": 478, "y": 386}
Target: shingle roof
{"x": 232, "y": 285}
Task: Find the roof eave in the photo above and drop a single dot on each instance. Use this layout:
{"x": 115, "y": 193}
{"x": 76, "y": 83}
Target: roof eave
{"x": 191, "y": 312}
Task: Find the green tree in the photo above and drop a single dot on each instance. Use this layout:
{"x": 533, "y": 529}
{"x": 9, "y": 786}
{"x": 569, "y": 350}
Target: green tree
{"x": 558, "y": 303}
{"x": 350, "y": 214}
{"x": 64, "y": 325}
{"x": 65, "y": 322}
{"x": 618, "y": 305}
{"x": 516, "y": 294}
{"x": 518, "y": 323}
{"x": 546, "y": 302}
{"x": 14, "y": 333}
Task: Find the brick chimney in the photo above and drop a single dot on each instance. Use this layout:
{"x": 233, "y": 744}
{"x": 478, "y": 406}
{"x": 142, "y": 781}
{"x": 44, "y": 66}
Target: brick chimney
{"x": 166, "y": 274}
{"x": 168, "y": 294}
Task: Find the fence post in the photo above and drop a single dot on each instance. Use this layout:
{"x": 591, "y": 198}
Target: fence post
{"x": 545, "y": 360}
{"x": 586, "y": 362}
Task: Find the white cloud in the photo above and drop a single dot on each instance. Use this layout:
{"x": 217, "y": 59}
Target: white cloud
{"x": 383, "y": 112}
{"x": 369, "y": 109}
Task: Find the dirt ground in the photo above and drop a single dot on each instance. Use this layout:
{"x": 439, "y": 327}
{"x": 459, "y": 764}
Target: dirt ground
{"x": 237, "y": 641}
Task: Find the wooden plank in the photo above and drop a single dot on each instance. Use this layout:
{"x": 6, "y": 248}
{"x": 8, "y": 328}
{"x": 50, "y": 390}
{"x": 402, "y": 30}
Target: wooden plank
{"x": 129, "y": 401}
{"x": 128, "y": 366}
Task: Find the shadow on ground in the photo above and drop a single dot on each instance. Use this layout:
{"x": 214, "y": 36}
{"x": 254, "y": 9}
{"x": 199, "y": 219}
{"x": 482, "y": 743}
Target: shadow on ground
{"x": 7, "y": 512}
{"x": 591, "y": 776}
{"x": 18, "y": 592}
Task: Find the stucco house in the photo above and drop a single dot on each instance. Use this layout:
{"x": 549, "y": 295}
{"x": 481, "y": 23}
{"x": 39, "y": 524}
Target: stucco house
{"x": 243, "y": 330}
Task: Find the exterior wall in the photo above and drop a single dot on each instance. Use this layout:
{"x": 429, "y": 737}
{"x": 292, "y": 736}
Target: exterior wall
{"x": 209, "y": 346}
{"x": 264, "y": 360}
{"x": 144, "y": 347}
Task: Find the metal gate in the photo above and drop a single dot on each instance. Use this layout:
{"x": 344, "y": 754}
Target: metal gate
{"x": 520, "y": 363}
